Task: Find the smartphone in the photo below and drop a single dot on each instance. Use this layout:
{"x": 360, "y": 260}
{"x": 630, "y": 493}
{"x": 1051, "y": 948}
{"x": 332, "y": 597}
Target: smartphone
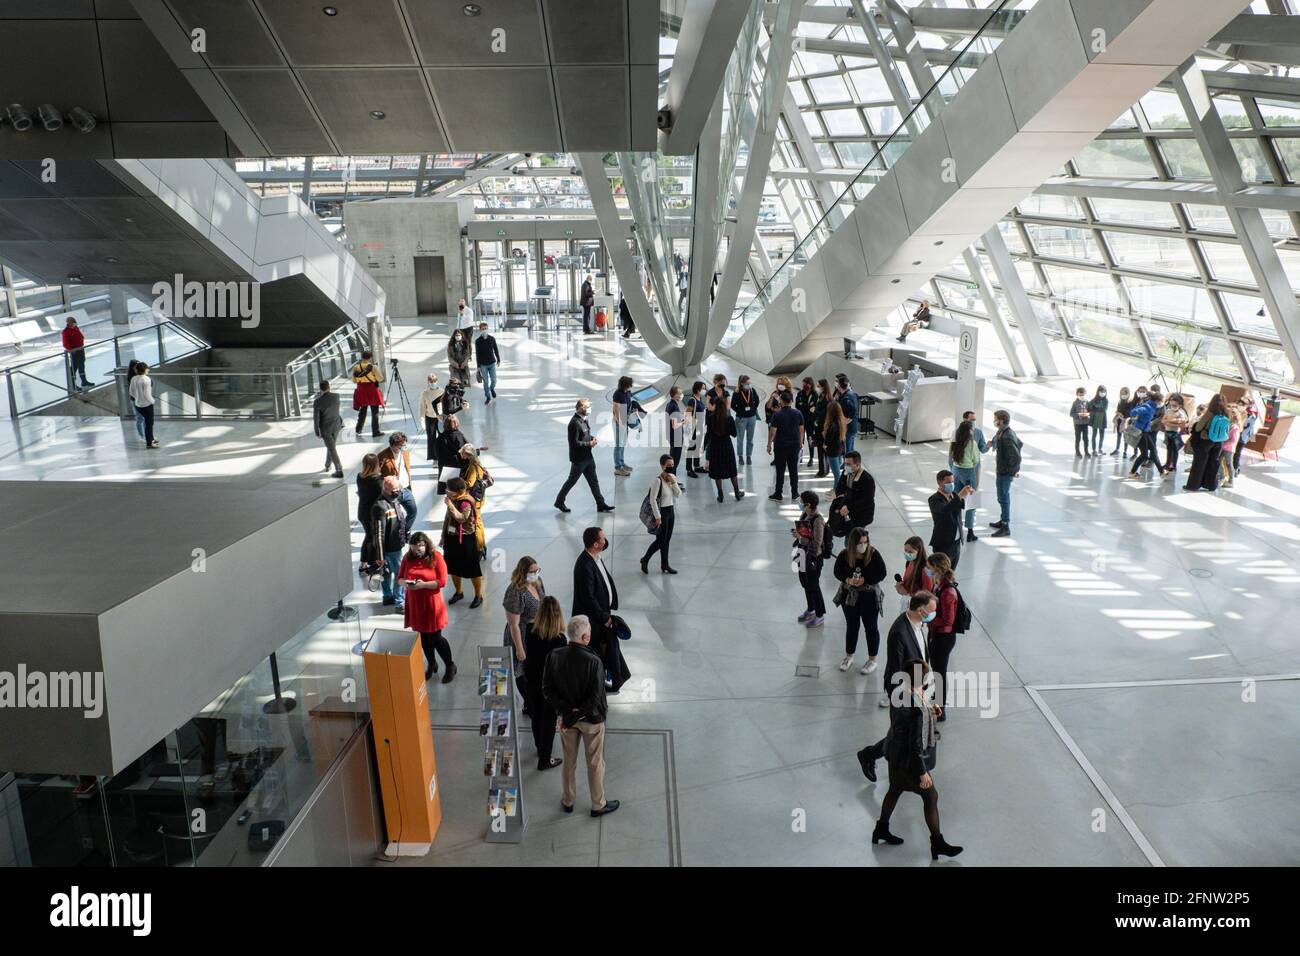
{"x": 898, "y": 578}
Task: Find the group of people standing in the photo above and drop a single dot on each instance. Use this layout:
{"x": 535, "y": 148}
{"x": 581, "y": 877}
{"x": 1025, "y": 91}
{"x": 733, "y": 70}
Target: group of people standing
{"x": 1215, "y": 434}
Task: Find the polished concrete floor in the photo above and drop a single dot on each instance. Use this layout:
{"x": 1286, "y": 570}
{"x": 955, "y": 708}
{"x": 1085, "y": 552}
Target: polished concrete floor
{"x": 1138, "y": 667}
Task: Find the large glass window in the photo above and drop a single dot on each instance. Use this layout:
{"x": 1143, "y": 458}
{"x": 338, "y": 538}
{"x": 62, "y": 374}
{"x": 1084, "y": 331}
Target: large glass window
{"x": 1104, "y": 327}
{"x": 1127, "y": 158}
{"x": 1152, "y": 253}
{"x": 1087, "y": 287}
{"x": 1185, "y": 302}
{"x": 843, "y": 122}
{"x": 1269, "y": 365}
{"x": 1184, "y": 159}
{"x": 1247, "y": 314}
{"x": 1228, "y": 262}
{"x": 1134, "y": 213}
{"x": 1213, "y": 353}
{"x": 1059, "y": 207}
{"x": 1164, "y": 111}
{"x": 1063, "y": 242}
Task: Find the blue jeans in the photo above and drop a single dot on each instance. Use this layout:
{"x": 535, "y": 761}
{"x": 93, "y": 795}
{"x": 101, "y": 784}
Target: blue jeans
{"x": 621, "y": 435}
{"x": 964, "y": 477}
{"x": 849, "y": 437}
{"x": 837, "y": 465}
{"x": 139, "y": 421}
{"x": 393, "y": 560}
{"x": 407, "y": 500}
{"x": 1004, "y": 496}
{"x": 745, "y": 436}
{"x": 489, "y": 373}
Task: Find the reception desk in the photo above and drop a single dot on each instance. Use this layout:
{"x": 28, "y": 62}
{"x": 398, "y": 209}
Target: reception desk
{"x": 932, "y": 412}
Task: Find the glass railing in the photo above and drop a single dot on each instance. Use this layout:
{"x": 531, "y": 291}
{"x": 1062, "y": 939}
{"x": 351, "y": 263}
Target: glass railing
{"x": 1000, "y": 20}
{"x": 41, "y": 383}
{"x": 274, "y": 393}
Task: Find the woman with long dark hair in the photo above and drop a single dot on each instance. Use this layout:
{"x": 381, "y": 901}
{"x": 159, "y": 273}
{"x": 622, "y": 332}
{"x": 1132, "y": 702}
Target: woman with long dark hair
{"x": 423, "y": 574}
{"x": 964, "y": 460}
{"x": 860, "y": 568}
{"x": 458, "y": 356}
{"x": 722, "y": 449}
{"x": 834, "y": 429}
{"x": 1204, "y": 472}
{"x": 941, "y": 636}
{"x": 545, "y": 633}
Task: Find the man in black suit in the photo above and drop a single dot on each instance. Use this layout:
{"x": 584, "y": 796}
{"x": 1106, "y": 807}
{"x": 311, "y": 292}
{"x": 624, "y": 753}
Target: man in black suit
{"x": 587, "y": 298}
{"x": 329, "y": 423}
{"x": 946, "y": 506}
{"x": 581, "y": 462}
{"x": 595, "y": 595}
{"x": 906, "y": 642}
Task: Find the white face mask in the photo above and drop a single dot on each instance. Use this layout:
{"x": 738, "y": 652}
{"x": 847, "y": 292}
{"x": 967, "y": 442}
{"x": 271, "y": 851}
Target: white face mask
{"x": 862, "y": 548}
{"x": 534, "y": 577}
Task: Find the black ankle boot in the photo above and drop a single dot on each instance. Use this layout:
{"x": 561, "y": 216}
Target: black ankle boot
{"x": 939, "y": 847}
{"x": 881, "y": 832}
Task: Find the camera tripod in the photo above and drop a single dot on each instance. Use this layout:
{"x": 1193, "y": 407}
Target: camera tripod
{"x": 401, "y": 390}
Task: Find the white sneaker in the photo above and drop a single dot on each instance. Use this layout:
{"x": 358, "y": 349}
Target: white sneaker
{"x": 846, "y": 663}
{"x": 870, "y": 668}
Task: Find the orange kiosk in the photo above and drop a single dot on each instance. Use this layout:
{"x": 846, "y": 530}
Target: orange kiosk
{"x": 399, "y": 720}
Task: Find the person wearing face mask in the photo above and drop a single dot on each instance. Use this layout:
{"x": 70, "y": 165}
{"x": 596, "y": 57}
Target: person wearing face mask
{"x": 942, "y": 632}
{"x": 596, "y": 597}
{"x": 856, "y": 492}
{"x": 1006, "y": 446}
{"x": 423, "y": 574}
{"x": 1098, "y": 406}
{"x": 581, "y": 461}
{"x": 1173, "y": 423}
{"x": 447, "y": 447}
{"x": 860, "y": 568}
{"x": 745, "y": 404}
{"x": 678, "y": 430}
{"x": 696, "y": 410}
{"x": 850, "y": 403}
{"x": 904, "y": 642}
{"x": 1142, "y": 417}
{"x": 1122, "y": 407}
{"x": 722, "y": 454}
{"x": 521, "y": 601}
{"x": 785, "y": 437}
{"x": 773, "y": 403}
{"x": 664, "y": 491}
{"x": 964, "y": 460}
{"x": 1080, "y": 416}
{"x": 458, "y": 352}
{"x": 712, "y": 399}
{"x": 946, "y": 505}
{"x": 430, "y": 399}
{"x": 389, "y": 535}
{"x": 809, "y": 534}
{"x": 463, "y": 540}
{"x": 805, "y": 403}
{"x": 912, "y": 751}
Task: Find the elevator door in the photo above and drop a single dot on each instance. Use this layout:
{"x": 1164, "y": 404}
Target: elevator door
{"x": 430, "y": 285}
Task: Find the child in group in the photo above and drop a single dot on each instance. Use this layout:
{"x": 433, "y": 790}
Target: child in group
{"x": 1236, "y": 419}
{"x": 1122, "y": 408}
{"x": 1174, "y": 424}
{"x": 1080, "y": 415}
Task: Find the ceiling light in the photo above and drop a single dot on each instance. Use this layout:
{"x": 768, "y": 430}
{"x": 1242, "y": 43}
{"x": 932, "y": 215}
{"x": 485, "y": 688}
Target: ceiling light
{"x": 51, "y": 118}
{"x": 939, "y": 242}
{"x": 73, "y": 277}
{"x": 377, "y": 114}
{"x": 471, "y": 9}
{"x": 110, "y": 259}
{"x": 84, "y": 120}
{"x": 916, "y": 262}
{"x": 19, "y": 117}
{"x": 330, "y": 11}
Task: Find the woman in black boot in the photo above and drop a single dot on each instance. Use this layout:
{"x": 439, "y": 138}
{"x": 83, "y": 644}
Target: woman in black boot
{"x": 911, "y": 750}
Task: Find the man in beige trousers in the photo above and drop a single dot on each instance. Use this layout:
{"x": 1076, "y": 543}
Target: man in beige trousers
{"x": 574, "y": 684}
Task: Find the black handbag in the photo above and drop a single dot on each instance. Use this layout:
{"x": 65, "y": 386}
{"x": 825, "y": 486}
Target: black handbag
{"x": 620, "y": 628}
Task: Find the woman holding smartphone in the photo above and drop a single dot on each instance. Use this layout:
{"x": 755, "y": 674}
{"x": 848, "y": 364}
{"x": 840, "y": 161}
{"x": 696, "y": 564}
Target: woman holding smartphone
{"x": 424, "y": 574}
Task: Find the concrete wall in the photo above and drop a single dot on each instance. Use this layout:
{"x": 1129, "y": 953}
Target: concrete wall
{"x": 385, "y": 236}
{"x": 168, "y": 636}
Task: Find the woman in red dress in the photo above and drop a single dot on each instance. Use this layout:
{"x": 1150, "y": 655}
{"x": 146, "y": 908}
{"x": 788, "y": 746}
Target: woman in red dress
{"x": 424, "y": 574}
{"x": 366, "y": 394}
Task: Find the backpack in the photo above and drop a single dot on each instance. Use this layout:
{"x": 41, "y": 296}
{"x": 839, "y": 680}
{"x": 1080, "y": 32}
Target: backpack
{"x": 961, "y": 619}
{"x": 1218, "y": 430}
{"x": 828, "y": 542}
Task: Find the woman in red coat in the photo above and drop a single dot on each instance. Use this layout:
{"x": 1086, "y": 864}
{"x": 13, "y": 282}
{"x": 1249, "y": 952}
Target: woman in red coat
{"x": 424, "y": 574}
{"x": 366, "y": 394}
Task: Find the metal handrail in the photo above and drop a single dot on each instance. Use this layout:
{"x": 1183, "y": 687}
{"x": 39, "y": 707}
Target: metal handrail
{"x": 68, "y": 385}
